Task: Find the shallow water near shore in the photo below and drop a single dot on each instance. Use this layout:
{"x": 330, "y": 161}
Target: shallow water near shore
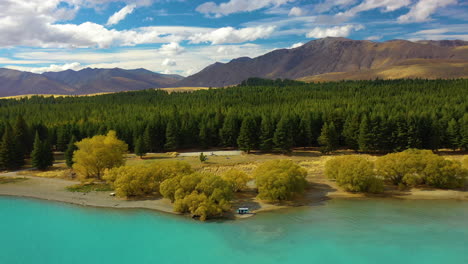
{"x": 337, "y": 231}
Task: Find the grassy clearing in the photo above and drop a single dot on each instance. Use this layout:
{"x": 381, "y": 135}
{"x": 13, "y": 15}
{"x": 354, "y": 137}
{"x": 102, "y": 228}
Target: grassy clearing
{"x": 57, "y": 171}
{"x": 89, "y": 187}
{"x": 311, "y": 159}
{"x": 4, "y": 180}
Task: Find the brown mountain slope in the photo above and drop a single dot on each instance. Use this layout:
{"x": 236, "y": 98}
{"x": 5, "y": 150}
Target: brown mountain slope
{"x": 13, "y": 82}
{"x": 325, "y": 56}
{"x": 416, "y": 68}
{"x": 86, "y": 81}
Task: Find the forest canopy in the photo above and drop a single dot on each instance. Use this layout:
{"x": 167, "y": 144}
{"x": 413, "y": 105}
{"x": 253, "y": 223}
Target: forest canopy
{"x": 368, "y": 116}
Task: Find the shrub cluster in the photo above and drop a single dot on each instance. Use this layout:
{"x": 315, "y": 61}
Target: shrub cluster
{"x": 200, "y": 194}
{"x": 409, "y": 168}
{"x": 280, "y": 180}
{"x": 421, "y": 167}
{"x": 354, "y": 174}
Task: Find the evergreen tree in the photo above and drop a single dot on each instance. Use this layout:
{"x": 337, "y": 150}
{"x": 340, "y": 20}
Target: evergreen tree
{"x": 148, "y": 136}
{"x": 365, "y": 135}
{"x": 140, "y": 149}
{"x": 21, "y": 141}
{"x": 304, "y": 137}
{"x": 41, "y": 156}
{"x": 464, "y": 132}
{"x": 247, "y": 139}
{"x": 229, "y": 132}
{"x": 434, "y": 135}
{"x": 172, "y": 136}
{"x": 283, "y": 135}
{"x": 204, "y": 137}
{"x": 7, "y": 150}
{"x": 328, "y": 138}
{"x": 453, "y": 136}
{"x": 351, "y": 132}
{"x": 414, "y": 135}
{"x": 63, "y": 138}
{"x": 69, "y": 152}
{"x": 267, "y": 130}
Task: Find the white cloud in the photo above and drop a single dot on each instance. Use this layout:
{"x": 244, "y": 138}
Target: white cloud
{"x": 327, "y": 5}
{"x": 237, "y": 6}
{"x": 169, "y": 62}
{"x": 337, "y": 31}
{"x": 51, "y": 68}
{"x": 296, "y": 45}
{"x": 384, "y": 5}
{"x": 120, "y": 15}
{"x": 296, "y": 11}
{"x": 172, "y": 48}
{"x": 36, "y": 23}
{"x": 373, "y": 38}
{"x": 422, "y": 11}
{"x": 194, "y": 60}
{"x": 232, "y": 35}
{"x": 459, "y": 31}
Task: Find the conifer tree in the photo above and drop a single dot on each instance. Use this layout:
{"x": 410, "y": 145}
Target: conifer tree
{"x": 365, "y": 135}
{"x": 21, "y": 141}
{"x": 148, "y": 138}
{"x": 203, "y": 136}
{"x": 63, "y": 138}
{"x": 351, "y": 132}
{"x": 304, "y": 137}
{"x": 329, "y": 138}
{"x": 7, "y": 150}
{"x": 172, "y": 136}
{"x": 140, "y": 148}
{"x": 267, "y": 131}
{"x": 464, "y": 132}
{"x": 229, "y": 132}
{"x": 247, "y": 139}
{"x": 69, "y": 152}
{"x": 453, "y": 138}
{"x": 41, "y": 156}
{"x": 283, "y": 135}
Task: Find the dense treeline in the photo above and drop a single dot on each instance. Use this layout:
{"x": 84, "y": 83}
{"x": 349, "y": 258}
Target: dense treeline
{"x": 367, "y": 116}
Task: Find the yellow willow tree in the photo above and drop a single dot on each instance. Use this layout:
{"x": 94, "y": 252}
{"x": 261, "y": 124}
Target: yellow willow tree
{"x": 98, "y": 153}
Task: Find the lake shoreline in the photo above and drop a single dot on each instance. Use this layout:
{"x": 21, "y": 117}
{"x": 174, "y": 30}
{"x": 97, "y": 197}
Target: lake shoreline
{"x": 53, "y": 189}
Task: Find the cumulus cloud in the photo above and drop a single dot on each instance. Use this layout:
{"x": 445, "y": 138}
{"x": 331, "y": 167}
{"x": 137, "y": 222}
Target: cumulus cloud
{"x": 232, "y": 35}
{"x": 36, "y": 23}
{"x": 422, "y": 11}
{"x": 120, "y": 15}
{"x": 169, "y": 62}
{"x": 296, "y": 45}
{"x": 172, "y": 48}
{"x": 296, "y": 11}
{"x": 194, "y": 60}
{"x": 237, "y": 6}
{"x": 337, "y": 31}
{"x": 51, "y": 68}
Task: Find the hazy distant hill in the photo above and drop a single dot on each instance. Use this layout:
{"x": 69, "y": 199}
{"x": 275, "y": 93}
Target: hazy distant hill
{"x": 354, "y": 57}
{"x": 85, "y": 81}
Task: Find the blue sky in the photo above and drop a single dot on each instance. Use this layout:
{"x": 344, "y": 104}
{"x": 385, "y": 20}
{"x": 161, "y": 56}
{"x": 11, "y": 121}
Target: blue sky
{"x": 183, "y": 37}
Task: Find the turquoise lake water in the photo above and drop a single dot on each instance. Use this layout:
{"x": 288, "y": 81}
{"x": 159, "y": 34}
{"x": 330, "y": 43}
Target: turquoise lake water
{"x": 337, "y": 231}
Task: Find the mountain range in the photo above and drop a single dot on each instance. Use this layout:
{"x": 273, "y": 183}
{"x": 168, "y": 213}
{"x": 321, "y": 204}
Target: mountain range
{"x": 326, "y": 59}
{"x": 361, "y": 58}
{"x": 85, "y": 81}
